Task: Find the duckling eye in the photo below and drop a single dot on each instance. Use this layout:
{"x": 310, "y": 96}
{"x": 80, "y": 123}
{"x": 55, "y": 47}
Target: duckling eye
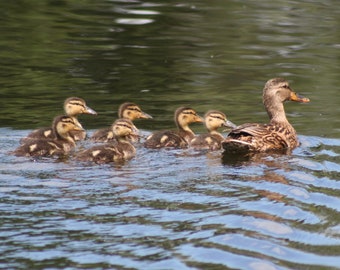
{"x": 134, "y": 109}
{"x": 79, "y": 104}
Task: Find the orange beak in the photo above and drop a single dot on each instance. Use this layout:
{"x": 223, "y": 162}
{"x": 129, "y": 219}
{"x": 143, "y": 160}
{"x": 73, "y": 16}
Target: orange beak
{"x": 296, "y": 97}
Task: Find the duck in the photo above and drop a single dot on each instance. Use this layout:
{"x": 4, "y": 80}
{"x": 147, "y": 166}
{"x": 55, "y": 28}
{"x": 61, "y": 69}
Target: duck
{"x": 212, "y": 140}
{"x": 120, "y": 149}
{"x": 184, "y": 116}
{"x": 61, "y": 143}
{"x": 278, "y": 134}
{"x": 73, "y": 106}
{"x": 127, "y": 110}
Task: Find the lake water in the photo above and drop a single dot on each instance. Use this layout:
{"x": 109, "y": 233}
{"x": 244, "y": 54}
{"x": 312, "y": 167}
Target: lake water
{"x": 170, "y": 209}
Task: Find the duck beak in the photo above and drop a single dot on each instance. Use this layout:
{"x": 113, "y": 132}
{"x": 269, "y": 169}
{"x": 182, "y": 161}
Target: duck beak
{"x": 145, "y": 116}
{"x": 88, "y": 110}
{"x": 296, "y": 97}
{"x": 199, "y": 119}
{"x": 78, "y": 128}
{"x": 229, "y": 124}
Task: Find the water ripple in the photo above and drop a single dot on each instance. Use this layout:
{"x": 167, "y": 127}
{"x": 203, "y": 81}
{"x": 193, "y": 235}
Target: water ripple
{"x": 145, "y": 214}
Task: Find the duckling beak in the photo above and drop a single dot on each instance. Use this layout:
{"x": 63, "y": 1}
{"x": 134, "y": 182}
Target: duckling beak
{"x": 145, "y": 116}
{"x": 78, "y": 128}
{"x": 88, "y": 110}
{"x": 296, "y": 97}
{"x": 199, "y": 119}
{"x": 229, "y": 124}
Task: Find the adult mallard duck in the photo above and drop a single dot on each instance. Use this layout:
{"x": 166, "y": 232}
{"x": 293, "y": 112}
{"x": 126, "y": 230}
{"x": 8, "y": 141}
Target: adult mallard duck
{"x": 278, "y": 134}
{"x": 127, "y": 110}
{"x": 213, "y": 120}
{"x": 61, "y": 143}
{"x": 73, "y": 106}
{"x": 118, "y": 150}
{"x": 180, "y": 138}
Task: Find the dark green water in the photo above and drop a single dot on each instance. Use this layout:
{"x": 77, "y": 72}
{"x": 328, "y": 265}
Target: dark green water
{"x": 170, "y": 209}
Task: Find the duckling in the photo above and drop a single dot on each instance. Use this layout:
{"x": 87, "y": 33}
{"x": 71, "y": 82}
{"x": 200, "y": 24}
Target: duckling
{"x": 212, "y": 140}
{"x": 279, "y": 134}
{"x": 126, "y": 110}
{"x": 61, "y": 142}
{"x": 118, "y": 150}
{"x": 176, "y": 139}
{"x": 73, "y": 106}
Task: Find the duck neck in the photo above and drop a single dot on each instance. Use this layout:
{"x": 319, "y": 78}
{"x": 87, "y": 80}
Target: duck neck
{"x": 214, "y": 132}
{"x": 65, "y": 137}
{"x": 186, "y": 133}
{"x": 75, "y": 120}
{"x": 122, "y": 139}
{"x": 276, "y": 113}
{"x": 185, "y": 129}
{"x": 69, "y": 139}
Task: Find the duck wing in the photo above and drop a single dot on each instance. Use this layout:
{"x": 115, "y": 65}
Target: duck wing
{"x": 255, "y": 137}
{"x": 167, "y": 139}
{"x": 102, "y": 135}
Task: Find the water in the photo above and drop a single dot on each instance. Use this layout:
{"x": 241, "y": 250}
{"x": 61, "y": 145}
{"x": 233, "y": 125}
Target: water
{"x": 170, "y": 209}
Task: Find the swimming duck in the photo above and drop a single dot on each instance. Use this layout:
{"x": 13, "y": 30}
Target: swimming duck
{"x": 61, "y": 142}
{"x": 73, "y": 106}
{"x": 278, "y": 134}
{"x": 212, "y": 140}
{"x": 184, "y": 116}
{"x": 126, "y": 110}
{"x": 118, "y": 150}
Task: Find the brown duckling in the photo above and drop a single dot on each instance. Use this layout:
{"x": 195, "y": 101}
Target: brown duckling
{"x": 127, "y": 110}
{"x": 184, "y": 116}
{"x": 73, "y": 106}
{"x": 61, "y": 143}
{"x": 212, "y": 141}
{"x": 279, "y": 134}
{"x": 118, "y": 150}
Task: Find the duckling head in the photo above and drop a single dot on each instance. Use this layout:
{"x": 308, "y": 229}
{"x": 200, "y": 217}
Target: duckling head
{"x": 63, "y": 125}
{"x": 74, "y": 106}
{"x": 123, "y": 128}
{"x": 132, "y": 111}
{"x": 216, "y": 119}
{"x": 184, "y": 116}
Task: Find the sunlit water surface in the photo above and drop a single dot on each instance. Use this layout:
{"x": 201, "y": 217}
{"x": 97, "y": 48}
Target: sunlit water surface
{"x": 177, "y": 209}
